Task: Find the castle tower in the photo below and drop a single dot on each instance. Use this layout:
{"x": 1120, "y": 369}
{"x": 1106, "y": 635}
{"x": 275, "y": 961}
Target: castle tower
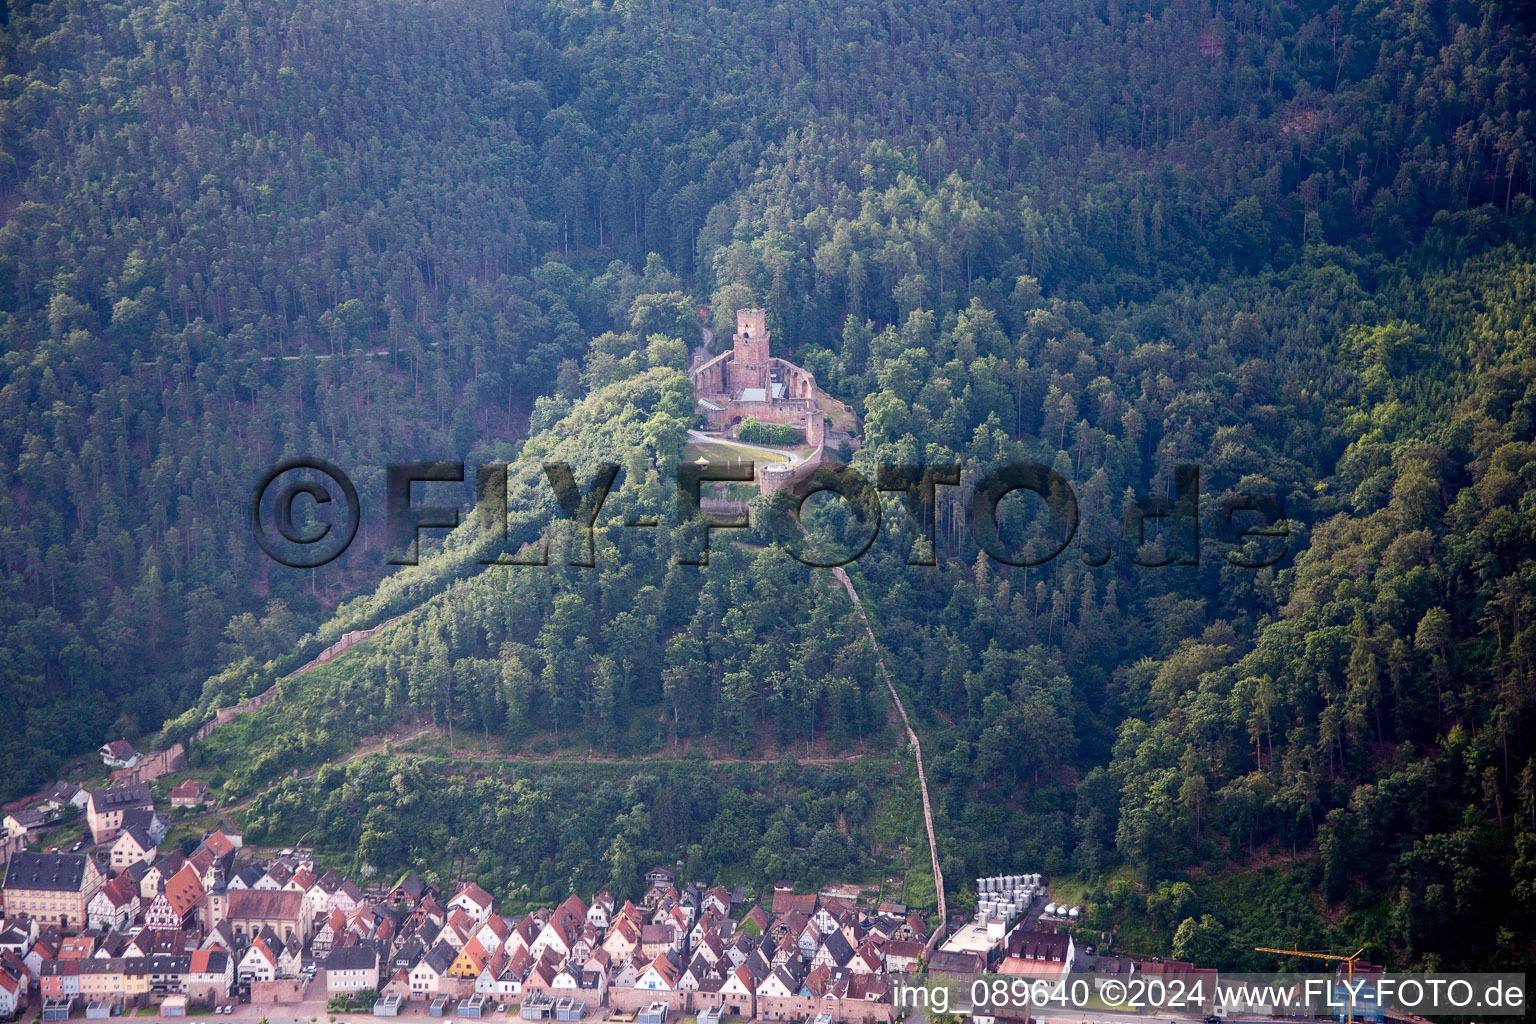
{"x": 749, "y": 366}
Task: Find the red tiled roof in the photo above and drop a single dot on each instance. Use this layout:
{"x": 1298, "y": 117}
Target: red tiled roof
{"x": 183, "y": 890}
{"x": 475, "y": 894}
{"x": 785, "y": 902}
{"x": 219, "y": 843}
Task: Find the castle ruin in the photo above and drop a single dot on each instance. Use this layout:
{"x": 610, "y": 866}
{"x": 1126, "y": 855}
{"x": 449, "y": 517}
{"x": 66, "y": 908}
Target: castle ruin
{"x": 748, "y": 382}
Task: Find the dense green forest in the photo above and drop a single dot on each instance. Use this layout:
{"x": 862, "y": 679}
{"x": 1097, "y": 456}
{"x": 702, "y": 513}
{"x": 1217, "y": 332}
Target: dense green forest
{"x": 1291, "y": 242}
{"x": 536, "y": 837}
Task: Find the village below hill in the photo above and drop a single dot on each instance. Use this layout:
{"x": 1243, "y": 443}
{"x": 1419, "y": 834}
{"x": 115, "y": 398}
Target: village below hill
{"x": 124, "y": 923}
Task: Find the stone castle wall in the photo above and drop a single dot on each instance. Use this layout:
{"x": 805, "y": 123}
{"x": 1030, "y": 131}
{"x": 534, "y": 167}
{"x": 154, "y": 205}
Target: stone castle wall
{"x": 709, "y": 379}
{"x": 154, "y": 765}
{"x": 803, "y": 413}
{"x": 777, "y": 476}
{"x": 225, "y": 715}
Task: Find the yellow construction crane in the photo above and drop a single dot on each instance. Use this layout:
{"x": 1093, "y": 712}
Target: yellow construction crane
{"x": 1348, "y": 961}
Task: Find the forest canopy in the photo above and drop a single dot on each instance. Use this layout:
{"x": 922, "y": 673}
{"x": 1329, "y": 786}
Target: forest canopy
{"x": 1290, "y": 241}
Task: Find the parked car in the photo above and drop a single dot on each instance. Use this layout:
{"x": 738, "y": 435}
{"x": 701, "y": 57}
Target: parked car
{"x": 1212, "y": 1020}
{"x": 501, "y": 1007}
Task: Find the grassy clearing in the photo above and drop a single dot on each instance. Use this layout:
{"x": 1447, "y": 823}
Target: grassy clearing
{"x": 727, "y": 452}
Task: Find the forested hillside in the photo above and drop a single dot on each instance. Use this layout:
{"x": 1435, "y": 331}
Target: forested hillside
{"x": 1289, "y": 242}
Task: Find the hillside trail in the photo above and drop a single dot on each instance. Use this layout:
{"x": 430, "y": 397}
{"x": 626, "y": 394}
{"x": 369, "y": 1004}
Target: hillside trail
{"x": 379, "y": 745}
{"x": 917, "y": 747}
